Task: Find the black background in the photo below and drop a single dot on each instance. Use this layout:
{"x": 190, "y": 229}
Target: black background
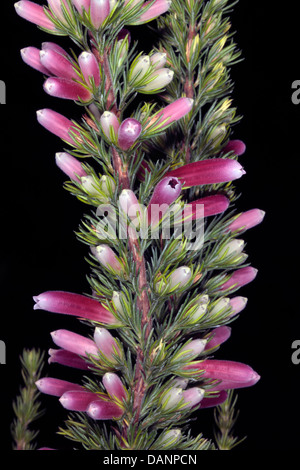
{"x": 39, "y": 250}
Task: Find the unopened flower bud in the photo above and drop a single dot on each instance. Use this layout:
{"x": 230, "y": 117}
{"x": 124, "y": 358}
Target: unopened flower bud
{"x": 158, "y": 60}
{"x": 179, "y": 278}
{"x": 99, "y": 11}
{"x": 106, "y": 343}
{"x": 89, "y": 67}
{"x": 129, "y": 131}
{"x": 110, "y": 125}
{"x": 70, "y": 166}
{"x": 169, "y": 438}
{"x": 107, "y": 257}
{"x": 114, "y": 386}
{"x": 161, "y": 78}
{"x": 192, "y": 396}
{"x": 171, "y": 398}
{"x": 139, "y": 68}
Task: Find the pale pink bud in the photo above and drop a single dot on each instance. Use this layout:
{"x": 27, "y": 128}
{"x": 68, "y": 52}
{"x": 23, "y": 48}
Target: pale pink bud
{"x": 107, "y": 257}
{"x": 161, "y": 78}
{"x": 109, "y": 122}
{"x": 76, "y": 400}
{"x": 158, "y": 8}
{"x": 179, "y": 278}
{"x": 74, "y": 343}
{"x": 114, "y": 386}
{"x": 57, "y": 10}
{"x": 217, "y": 337}
{"x": 158, "y": 60}
{"x": 99, "y": 11}
{"x": 211, "y": 171}
{"x": 247, "y": 220}
{"x": 194, "y": 348}
{"x": 76, "y": 305}
{"x": 46, "y": 46}
{"x": 57, "y": 124}
{"x": 34, "y": 13}
{"x": 66, "y": 89}
{"x": 31, "y": 57}
{"x": 106, "y": 343}
{"x": 67, "y": 358}
{"x": 58, "y": 64}
{"x": 56, "y": 387}
{"x": 236, "y": 146}
{"x": 70, "y": 166}
{"x": 238, "y": 304}
{"x": 240, "y": 278}
{"x": 192, "y": 397}
{"x": 171, "y": 113}
{"x": 81, "y": 5}
{"x": 100, "y": 409}
{"x": 89, "y": 67}
{"x": 130, "y": 205}
{"x": 129, "y": 131}
{"x": 231, "y": 374}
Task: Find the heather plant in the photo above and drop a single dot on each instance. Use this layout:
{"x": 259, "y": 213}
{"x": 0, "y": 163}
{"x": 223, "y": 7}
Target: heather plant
{"x": 154, "y": 159}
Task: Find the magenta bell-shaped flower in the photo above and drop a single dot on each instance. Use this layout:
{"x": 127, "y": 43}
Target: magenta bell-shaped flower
{"x": 58, "y": 64}
{"x": 67, "y": 358}
{"x": 236, "y": 146}
{"x": 31, "y": 57}
{"x": 99, "y": 11}
{"x": 74, "y": 304}
{"x": 74, "y": 343}
{"x": 56, "y": 387}
{"x": 129, "y": 131}
{"x": 165, "y": 193}
{"x": 70, "y": 166}
{"x": 34, "y": 13}
{"x": 77, "y": 400}
{"x": 231, "y": 374}
{"x": 212, "y": 171}
{"x": 240, "y": 278}
{"x": 103, "y": 409}
{"x": 57, "y": 124}
{"x": 247, "y": 220}
{"x": 66, "y": 89}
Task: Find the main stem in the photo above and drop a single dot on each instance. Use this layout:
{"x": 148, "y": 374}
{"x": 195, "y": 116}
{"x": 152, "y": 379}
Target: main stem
{"x": 121, "y": 171}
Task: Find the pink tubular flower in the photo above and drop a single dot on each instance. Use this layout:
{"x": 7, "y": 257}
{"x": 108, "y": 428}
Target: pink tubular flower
{"x": 213, "y": 205}
{"x": 212, "y": 171}
{"x": 74, "y": 343}
{"x": 70, "y": 166}
{"x": 99, "y": 11}
{"x": 46, "y": 46}
{"x": 58, "y": 64}
{"x": 56, "y": 8}
{"x": 77, "y": 400}
{"x": 81, "y": 5}
{"x": 67, "y": 358}
{"x": 34, "y": 13}
{"x": 240, "y": 278}
{"x": 217, "y": 337}
{"x": 66, "y": 89}
{"x": 165, "y": 193}
{"x": 102, "y": 409}
{"x": 236, "y": 146}
{"x": 57, "y": 124}
{"x": 128, "y": 132}
{"x": 171, "y": 113}
{"x": 215, "y": 400}
{"x": 231, "y": 374}
{"x": 74, "y": 304}
{"x": 114, "y": 386}
{"x": 158, "y": 8}
{"x": 89, "y": 67}
{"x": 31, "y": 57}
{"x": 56, "y": 387}
{"x": 247, "y": 220}
{"x": 106, "y": 343}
